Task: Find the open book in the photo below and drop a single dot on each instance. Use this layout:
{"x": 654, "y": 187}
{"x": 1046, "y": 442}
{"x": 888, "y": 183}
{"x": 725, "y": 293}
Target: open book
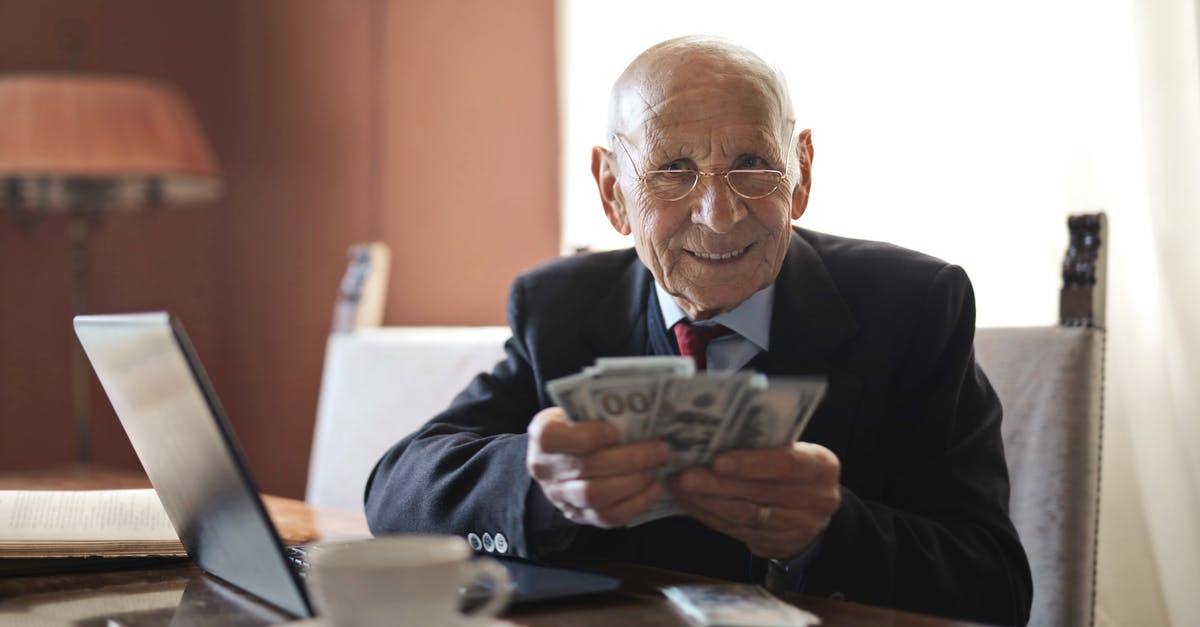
{"x": 84, "y": 524}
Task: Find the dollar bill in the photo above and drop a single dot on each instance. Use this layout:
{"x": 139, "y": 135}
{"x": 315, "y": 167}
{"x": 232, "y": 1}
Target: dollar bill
{"x": 569, "y": 394}
{"x": 713, "y": 605}
{"x": 774, "y": 415}
{"x": 697, "y": 414}
{"x": 693, "y": 413}
{"x": 626, "y": 401}
{"x": 682, "y": 366}
{"x": 811, "y": 395}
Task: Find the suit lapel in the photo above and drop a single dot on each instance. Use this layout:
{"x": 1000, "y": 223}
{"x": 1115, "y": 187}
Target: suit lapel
{"x": 617, "y": 327}
{"x": 809, "y": 322}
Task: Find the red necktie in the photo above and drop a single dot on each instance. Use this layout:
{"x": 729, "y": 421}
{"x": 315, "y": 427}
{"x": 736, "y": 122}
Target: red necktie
{"x": 693, "y": 340}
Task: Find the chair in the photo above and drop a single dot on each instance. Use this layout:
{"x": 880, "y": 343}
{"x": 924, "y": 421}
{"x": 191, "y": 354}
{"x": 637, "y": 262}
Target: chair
{"x": 381, "y": 384}
{"x": 1050, "y": 381}
{"x": 363, "y": 291}
{"x": 378, "y": 386}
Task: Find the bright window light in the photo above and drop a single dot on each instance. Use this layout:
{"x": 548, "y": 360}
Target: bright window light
{"x": 965, "y": 130}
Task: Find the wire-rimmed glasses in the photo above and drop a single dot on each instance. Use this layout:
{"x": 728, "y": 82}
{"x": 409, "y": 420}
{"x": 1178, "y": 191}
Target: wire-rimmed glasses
{"x": 675, "y": 184}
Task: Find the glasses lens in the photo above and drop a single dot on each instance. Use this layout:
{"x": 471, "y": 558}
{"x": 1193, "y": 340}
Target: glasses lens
{"x": 754, "y": 184}
{"x": 670, "y": 184}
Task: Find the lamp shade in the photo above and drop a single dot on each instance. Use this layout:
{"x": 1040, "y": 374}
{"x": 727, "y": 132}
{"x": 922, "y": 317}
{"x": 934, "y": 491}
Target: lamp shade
{"x": 98, "y": 142}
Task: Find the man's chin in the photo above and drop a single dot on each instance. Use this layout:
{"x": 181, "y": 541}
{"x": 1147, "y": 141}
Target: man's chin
{"x": 706, "y": 303}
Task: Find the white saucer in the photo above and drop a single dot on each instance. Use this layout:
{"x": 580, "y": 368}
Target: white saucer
{"x": 482, "y": 621}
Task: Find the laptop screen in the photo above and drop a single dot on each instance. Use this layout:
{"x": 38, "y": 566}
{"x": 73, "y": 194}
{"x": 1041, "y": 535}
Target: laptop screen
{"x": 169, "y": 411}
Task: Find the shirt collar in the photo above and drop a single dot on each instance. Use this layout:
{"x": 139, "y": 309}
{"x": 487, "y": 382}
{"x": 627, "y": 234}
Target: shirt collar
{"x": 751, "y": 319}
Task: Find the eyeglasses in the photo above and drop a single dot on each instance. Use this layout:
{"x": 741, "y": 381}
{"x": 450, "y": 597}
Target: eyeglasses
{"x": 675, "y": 184}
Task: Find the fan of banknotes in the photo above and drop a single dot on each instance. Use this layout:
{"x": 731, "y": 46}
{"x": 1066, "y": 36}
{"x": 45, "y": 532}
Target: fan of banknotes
{"x": 697, "y": 414}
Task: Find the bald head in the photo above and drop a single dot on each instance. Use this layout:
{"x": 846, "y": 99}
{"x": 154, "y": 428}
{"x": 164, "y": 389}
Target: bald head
{"x": 673, "y": 67}
{"x": 696, "y": 110}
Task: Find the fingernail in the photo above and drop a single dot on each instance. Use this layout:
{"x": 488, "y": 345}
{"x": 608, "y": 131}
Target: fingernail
{"x": 724, "y": 465}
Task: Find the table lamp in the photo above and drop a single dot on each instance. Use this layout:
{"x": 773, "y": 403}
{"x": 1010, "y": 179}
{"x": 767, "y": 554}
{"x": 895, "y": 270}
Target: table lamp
{"x": 84, "y": 144}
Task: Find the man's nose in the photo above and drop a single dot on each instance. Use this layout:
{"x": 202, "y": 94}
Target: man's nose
{"x": 718, "y": 207}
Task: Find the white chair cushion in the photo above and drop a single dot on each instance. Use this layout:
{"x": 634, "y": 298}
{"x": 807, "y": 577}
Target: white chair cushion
{"x": 1050, "y": 382}
{"x": 378, "y": 386}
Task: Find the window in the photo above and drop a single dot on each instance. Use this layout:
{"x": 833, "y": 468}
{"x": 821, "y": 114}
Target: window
{"x": 966, "y": 130}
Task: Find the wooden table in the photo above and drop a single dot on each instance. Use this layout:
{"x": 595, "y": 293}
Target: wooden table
{"x": 180, "y": 594}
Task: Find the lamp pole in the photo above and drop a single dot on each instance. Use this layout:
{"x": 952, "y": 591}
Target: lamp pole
{"x": 82, "y": 144}
{"x": 77, "y": 224}
{"x": 87, "y": 197}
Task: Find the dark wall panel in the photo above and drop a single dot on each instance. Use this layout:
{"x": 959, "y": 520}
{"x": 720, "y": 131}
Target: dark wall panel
{"x": 429, "y": 125}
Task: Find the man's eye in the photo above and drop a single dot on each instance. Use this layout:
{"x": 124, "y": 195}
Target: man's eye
{"x": 752, "y": 162}
{"x": 676, "y": 166}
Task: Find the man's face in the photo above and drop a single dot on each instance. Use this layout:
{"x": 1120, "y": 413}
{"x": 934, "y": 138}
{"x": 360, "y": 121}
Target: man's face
{"x": 712, "y": 249}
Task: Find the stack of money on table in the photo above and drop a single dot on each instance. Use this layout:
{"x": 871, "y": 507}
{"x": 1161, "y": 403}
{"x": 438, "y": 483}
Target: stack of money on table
{"x": 697, "y": 414}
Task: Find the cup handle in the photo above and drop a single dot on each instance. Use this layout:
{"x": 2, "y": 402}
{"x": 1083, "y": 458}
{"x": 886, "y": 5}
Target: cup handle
{"x": 488, "y": 568}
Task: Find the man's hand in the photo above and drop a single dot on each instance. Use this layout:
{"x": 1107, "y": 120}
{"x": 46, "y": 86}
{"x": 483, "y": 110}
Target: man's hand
{"x": 776, "y": 501}
{"x": 587, "y": 474}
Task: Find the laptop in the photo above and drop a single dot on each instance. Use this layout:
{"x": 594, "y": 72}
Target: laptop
{"x": 171, "y": 414}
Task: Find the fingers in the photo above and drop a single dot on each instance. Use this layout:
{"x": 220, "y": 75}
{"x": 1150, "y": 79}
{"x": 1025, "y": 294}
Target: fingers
{"x": 620, "y": 513}
{"x": 768, "y": 531}
{"x": 695, "y": 484}
{"x": 625, "y": 458}
{"x": 554, "y": 433}
{"x": 588, "y": 475}
{"x": 610, "y": 462}
{"x": 559, "y": 449}
{"x": 593, "y": 479}
{"x": 598, "y": 493}
{"x": 704, "y": 482}
{"x": 783, "y": 536}
{"x": 801, "y": 462}
{"x": 613, "y": 461}
{"x": 776, "y": 501}
{"x": 799, "y": 476}
{"x": 606, "y": 502}
{"x": 740, "y": 513}
{"x": 729, "y": 512}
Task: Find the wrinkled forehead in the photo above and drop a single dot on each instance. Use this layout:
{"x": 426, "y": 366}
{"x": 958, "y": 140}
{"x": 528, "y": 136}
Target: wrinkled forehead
{"x": 657, "y": 111}
{"x": 684, "y": 89}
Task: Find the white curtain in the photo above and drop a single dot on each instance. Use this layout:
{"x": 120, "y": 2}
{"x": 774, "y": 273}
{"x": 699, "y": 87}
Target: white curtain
{"x": 1150, "y": 501}
{"x": 969, "y": 130}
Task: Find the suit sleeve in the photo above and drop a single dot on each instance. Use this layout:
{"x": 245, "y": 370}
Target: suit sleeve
{"x": 938, "y": 539}
{"x": 464, "y": 471}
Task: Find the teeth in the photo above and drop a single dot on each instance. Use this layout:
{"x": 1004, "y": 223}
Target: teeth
{"x": 719, "y": 256}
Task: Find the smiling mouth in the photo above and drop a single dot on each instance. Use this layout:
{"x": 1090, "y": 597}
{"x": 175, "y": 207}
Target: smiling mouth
{"x": 728, "y": 256}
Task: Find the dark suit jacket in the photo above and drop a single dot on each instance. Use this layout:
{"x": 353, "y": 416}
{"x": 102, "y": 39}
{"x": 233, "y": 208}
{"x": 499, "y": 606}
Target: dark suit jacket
{"x": 923, "y": 523}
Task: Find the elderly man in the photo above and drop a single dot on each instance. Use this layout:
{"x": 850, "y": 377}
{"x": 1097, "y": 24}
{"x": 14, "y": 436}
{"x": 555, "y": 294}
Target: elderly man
{"x": 897, "y": 494}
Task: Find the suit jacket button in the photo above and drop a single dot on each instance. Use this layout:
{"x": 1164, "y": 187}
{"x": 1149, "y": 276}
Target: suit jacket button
{"x": 489, "y": 545}
{"x": 474, "y": 541}
{"x": 501, "y": 543}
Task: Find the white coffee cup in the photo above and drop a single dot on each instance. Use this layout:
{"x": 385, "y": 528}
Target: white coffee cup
{"x": 401, "y": 580}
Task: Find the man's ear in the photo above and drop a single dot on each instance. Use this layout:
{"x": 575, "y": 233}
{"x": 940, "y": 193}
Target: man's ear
{"x": 804, "y": 150}
{"x": 605, "y": 172}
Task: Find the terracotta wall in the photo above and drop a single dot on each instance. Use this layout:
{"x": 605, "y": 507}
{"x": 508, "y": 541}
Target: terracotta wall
{"x": 428, "y": 125}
